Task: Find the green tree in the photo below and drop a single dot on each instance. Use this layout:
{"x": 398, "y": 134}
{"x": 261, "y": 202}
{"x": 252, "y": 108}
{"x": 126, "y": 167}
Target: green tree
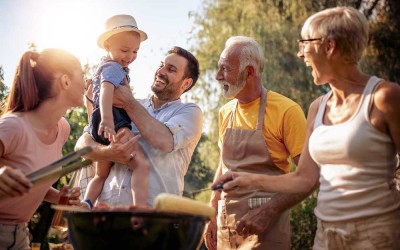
{"x": 3, "y": 86}
{"x": 3, "y": 90}
{"x": 199, "y": 174}
{"x": 383, "y": 54}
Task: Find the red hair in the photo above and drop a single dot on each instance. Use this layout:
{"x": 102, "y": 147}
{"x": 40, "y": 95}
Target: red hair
{"x": 34, "y": 77}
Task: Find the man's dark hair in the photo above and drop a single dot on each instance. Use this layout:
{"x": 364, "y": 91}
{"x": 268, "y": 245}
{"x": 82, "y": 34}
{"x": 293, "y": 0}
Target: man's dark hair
{"x": 192, "y": 69}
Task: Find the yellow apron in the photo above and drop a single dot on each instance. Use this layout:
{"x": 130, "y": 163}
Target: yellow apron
{"x": 246, "y": 151}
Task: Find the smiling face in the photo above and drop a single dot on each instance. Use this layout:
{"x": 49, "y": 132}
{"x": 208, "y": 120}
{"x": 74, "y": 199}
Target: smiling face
{"x": 170, "y": 80}
{"x": 123, "y": 47}
{"x": 340, "y": 35}
{"x": 229, "y": 74}
{"x": 316, "y": 49}
{"x": 314, "y": 56}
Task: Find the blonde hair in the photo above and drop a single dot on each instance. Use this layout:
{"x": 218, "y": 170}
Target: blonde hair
{"x": 346, "y": 25}
{"x": 251, "y": 52}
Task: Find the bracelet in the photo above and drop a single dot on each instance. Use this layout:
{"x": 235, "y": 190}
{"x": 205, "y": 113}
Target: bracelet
{"x": 88, "y": 202}
{"x": 90, "y": 100}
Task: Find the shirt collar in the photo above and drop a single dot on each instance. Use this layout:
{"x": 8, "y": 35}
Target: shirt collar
{"x": 151, "y": 103}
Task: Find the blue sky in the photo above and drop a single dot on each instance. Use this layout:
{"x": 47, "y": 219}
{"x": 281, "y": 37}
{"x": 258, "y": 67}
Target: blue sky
{"x": 75, "y": 24}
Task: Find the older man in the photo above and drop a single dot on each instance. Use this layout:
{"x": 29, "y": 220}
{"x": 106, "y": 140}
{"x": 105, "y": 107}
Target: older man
{"x": 169, "y": 131}
{"x": 260, "y": 131}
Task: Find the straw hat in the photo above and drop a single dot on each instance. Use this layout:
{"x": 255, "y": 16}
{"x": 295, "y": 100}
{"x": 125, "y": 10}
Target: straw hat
{"x": 117, "y": 24}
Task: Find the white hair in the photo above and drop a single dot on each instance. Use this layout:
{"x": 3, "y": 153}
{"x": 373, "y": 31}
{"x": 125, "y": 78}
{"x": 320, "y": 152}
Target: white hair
{"x": 251, "y": 52}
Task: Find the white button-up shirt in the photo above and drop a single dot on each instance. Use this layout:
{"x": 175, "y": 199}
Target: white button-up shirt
{"x": 167, "y": 170}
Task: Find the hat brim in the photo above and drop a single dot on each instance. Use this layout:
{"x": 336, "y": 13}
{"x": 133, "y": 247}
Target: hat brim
{"x": 103, "y": 37}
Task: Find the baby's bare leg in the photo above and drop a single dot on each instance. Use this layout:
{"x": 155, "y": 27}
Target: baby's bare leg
{"x": 140, "y": 177}
{"x": 140, "y": 173}
{"x": 96, "y": 184}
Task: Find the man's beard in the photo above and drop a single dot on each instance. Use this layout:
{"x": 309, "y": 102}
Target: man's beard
{"x": 233, "y": 90}
{"x": 164, "y": 93}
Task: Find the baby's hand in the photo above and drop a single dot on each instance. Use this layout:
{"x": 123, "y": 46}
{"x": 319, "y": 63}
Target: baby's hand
{"x": 108, "y": 129}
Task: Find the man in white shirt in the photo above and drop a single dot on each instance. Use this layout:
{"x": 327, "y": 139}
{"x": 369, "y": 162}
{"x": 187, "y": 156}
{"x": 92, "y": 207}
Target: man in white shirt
{"x": 169, "y": 131}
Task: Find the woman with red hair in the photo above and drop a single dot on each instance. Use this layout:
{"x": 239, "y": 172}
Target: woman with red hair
{"x": 32, "y": 134}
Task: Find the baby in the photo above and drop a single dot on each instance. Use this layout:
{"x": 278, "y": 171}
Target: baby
{"x": 121, "y": 40}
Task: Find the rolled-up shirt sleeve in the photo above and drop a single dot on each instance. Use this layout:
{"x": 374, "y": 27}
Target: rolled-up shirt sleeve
{"x": 186, "y": 125}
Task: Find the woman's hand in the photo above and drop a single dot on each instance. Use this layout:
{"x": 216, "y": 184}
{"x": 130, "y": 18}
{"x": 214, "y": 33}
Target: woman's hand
{"x": 71, "y": 195}
{"x": 13, "y": 182}
{"x": 233, "y": 180}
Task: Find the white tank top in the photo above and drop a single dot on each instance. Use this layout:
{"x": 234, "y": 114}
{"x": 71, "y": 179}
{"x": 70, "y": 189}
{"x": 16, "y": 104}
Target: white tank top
{"x": 357, "y": 165}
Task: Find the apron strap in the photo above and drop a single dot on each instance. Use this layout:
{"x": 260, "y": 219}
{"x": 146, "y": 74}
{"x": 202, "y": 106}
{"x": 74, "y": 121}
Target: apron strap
{"x": 260, "y": 121}
{"x": 263, "y": 105}
{"x": 230, "y": 124}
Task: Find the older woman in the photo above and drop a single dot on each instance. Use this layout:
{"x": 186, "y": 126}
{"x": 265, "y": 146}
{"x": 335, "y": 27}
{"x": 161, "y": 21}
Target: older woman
{"x": 353, "y": 138}
{"x": 32, "y": 134}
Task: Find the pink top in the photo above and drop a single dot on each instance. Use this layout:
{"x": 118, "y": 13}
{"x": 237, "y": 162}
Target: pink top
{"x": 24, "y": 150}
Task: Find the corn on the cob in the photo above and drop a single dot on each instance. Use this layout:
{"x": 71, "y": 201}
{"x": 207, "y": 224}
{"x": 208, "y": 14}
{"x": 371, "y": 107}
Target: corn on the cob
{"x": 174, "y": 203}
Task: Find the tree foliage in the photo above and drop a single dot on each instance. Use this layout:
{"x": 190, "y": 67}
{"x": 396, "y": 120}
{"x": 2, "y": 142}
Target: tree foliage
{"x": 383, "y": 54}
{"x": 3, "y": 86}
{"x": 3, "y": 91}
{"x": 199, "y": 174}
{"x": 304, "y": 223}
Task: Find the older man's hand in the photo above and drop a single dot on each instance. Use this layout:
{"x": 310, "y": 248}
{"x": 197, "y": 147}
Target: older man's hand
{"x": 256, "y": 221}
{"x": 123, "y": 152}
{"x": 210, "y": 235}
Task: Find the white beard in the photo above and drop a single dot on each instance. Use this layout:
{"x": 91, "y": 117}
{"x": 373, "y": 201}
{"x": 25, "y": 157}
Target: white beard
{"x": 233, "y": 90}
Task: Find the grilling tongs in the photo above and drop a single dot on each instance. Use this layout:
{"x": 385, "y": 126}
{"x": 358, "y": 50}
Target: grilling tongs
{"x": 61, "y": 167}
